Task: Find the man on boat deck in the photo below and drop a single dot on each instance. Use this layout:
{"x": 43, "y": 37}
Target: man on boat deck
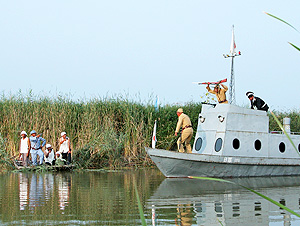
{"x": 36, "y": 147}
{"x": 256, "y": 102}
{"x": 186, "y": 133}
{"x": 219, "y": 92}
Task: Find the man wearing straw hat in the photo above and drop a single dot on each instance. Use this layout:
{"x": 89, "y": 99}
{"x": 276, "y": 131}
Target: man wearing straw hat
{"x": 65, "y": 147}
{"x": 49, "y": 155}
{"x": 219, "y": 92}
{"x": 36, "y": 147}
{"x": 24, "y": 148}
{"x": 184, "y": 122}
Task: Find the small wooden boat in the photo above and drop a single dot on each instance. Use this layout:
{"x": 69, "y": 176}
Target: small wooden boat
{"x": 18, "y": 165}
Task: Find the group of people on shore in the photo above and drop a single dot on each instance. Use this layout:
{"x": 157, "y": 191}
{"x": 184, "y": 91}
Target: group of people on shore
{"x": 185, "y": 124}
{"x": 34, "y": 145}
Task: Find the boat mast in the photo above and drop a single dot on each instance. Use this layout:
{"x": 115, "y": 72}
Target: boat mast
{"x": 232, "y": 54}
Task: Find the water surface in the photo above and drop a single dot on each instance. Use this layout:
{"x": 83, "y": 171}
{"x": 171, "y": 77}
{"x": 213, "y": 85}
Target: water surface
{"x": 108, "y": 198}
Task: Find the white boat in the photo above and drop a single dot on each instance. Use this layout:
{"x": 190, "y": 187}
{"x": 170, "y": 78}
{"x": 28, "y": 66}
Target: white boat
{"x": 204, "y": 202}
{"x": 232, "y": 141}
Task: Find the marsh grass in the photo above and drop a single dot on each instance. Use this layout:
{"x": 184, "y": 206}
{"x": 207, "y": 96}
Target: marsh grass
{"x": 294, "y": 115}
{"x": 5, "y": 159}
{"x": 140, "y": 206}
{"x": 104, "y": 132}
{"x": 285, "y": 22}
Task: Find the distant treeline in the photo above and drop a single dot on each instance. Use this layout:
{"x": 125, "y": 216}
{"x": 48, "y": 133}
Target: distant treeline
{"x": 108, "y": 132}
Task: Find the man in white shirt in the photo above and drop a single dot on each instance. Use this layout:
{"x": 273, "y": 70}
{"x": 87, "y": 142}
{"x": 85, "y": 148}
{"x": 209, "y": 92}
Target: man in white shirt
{"x": 49, "y": 155}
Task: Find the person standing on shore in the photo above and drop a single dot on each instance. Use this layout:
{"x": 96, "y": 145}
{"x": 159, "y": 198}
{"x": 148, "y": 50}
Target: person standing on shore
{"x": 184, "y": 122}
{"x": 24, "y": 148}
{"x": 65, "y": 147}
{"x": 36, "y": 147}
{"x": 219, "y": 92}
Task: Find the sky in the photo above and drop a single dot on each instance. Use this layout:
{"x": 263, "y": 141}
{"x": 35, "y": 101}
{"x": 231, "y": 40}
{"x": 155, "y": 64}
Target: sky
{"x": 144, "y": 49}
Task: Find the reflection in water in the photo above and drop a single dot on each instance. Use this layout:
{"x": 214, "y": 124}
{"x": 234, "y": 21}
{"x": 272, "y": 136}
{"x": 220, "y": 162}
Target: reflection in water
{"x": 40, "y": 188}
{"x": 184, "y": 215}
{"x": 108, "y": 198}
{"x": 36, "y": 193}
{"x": 23, "y": 186}
{"x": 200, "y": 202}
{"x": 85, "y": 198}
{"x": 49, "y": 186}
{"x": 63, "y": 190}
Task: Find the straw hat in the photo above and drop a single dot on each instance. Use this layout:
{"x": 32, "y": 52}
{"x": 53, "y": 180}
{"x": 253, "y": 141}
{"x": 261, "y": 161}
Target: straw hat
{"x": 180, "y": 110}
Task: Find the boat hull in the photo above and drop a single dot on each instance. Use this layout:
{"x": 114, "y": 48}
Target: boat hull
{"x": 175, "y": 164}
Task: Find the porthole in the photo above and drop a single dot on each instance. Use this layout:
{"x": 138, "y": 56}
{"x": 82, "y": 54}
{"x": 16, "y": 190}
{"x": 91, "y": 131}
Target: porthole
{"x": 282, "y": 147}
{"x": 198, "y": 144}
{"x": 299, "y": 147}
{"x": 236, "y": 143}
{"x": 218, "y": 144}
{"x": 257, "y": 145}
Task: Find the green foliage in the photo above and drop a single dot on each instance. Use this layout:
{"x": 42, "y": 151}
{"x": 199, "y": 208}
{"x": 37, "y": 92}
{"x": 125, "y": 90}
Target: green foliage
{"x": 283, "y": 130}
{"x": 108, "y": 132}
{"x": 277, "y": 18}
{"x": 104, "y": 132}
{"x": 142, "y": 217}
{"x": 5, "y": 161}
{"x": 293, "y": 114}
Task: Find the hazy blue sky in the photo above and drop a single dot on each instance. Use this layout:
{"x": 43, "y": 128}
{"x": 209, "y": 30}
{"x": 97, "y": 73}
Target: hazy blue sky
{"x": 96, "y": 48}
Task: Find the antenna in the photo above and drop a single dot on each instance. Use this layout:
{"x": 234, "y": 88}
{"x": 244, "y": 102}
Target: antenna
{"x": 232, "y": 54}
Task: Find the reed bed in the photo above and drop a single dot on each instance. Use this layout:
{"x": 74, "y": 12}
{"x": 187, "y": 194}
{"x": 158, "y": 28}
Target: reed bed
{"x": 104, "y": 132}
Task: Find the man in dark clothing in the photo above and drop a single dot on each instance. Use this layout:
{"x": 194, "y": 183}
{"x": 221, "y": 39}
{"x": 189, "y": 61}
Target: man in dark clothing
{"x": 256, "y": 102}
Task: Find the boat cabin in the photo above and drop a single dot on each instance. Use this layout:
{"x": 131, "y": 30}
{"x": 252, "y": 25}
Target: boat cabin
{"x": 229, "y": 130}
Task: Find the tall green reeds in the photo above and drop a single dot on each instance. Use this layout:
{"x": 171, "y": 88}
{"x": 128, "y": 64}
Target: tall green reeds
{"x": 104, "y": 132}
{"x": 110, "y": 132}
{"x": 5, "y": 160}
{"x": 277, "y": 18}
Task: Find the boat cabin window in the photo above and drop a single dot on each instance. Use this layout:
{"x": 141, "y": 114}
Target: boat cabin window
{"x": 198, "y": 144}
{"x": 299, "y": 147}
{"x": 236, "y": 143}
{"x": 257, "y": 145}
{"x": 282, "y": 147}
{"x": 218, "y": 144}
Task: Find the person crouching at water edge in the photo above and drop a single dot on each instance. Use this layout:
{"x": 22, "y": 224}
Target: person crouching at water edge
{"x": 24, "y": 148}
{"x": 184, "y": 122}
{"x": 49, "y": 155}
{"x": 65, "y": 147}
{"x": 36, "y": 147}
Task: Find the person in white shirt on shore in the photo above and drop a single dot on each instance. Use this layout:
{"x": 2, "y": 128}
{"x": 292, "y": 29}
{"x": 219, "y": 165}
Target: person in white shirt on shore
{"x": 65, "y": 147}
{"x": 49, "y": 155}
{"x": 24, "y": 148}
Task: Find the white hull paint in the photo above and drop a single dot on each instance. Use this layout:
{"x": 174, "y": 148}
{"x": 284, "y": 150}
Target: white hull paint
{"x": 239, "y": 146}
{"x": 176, "y": 164}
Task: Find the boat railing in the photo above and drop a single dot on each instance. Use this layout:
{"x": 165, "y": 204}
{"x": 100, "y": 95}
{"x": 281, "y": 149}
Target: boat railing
{"x": 209, "y": 104}
{"x": 280, "y": 132}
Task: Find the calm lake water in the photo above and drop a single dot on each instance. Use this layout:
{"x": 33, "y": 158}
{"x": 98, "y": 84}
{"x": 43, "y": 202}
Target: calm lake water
{"x": 108, "y": 198}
